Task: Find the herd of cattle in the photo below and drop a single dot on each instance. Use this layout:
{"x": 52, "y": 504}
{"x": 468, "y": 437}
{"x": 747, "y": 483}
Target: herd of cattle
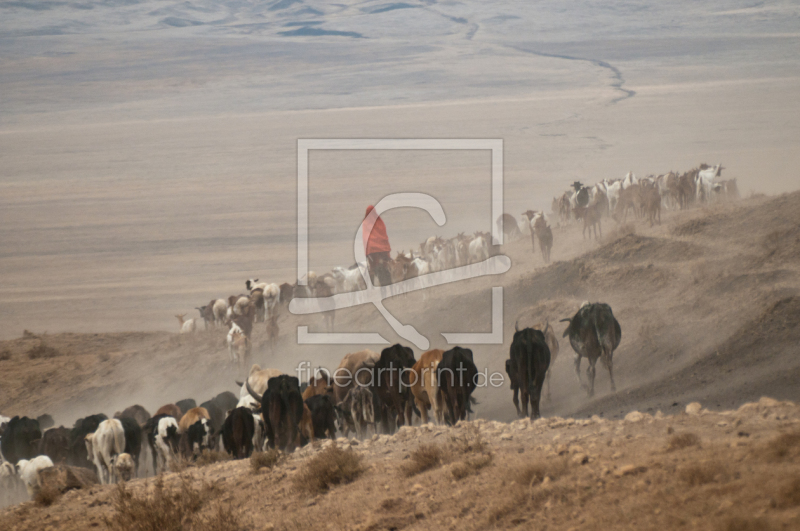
{"x": 273, "y": 410}
{"x": 382, "y": 391}
{"x": 264, "y": 302}
{"x": 644, "y": 197}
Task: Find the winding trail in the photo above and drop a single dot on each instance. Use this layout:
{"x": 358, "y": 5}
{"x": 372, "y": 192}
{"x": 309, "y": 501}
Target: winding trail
{"x": 616, "y": 74}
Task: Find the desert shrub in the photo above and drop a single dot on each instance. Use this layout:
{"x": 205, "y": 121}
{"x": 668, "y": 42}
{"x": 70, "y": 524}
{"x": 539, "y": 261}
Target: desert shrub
{"x": 47, "y": 495}
{"x": 425, "y": 457}
{"x": 702, "y": 473}
{"x": 180, "y": 463}
{"x": 789, "y": 494}
{"x": 470, "y": 441}
{"x": 209, "y": 457}
{"x": 534, "y": 473}
{"x": 515, "y": 501}
{"x": 471, "y": 466}
{"x": 266, "y": 459}
{"x": 222, "y": 518}
{"x": 785, "y": 445}
{"x": 739, "y": 523}
{"x": 42, "y": 351}
{"x": 682, "y": 440}
{"x": 5, "y": 355}
{"x": 104, "y": 357}
{"x": 332, "y": 466}
{"x": 27, "y": 334}
{"x": 163, "y": 510}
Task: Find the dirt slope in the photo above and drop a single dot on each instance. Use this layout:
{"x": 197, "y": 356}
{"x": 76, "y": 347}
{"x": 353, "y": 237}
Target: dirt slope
{"x": 718, "y": 471}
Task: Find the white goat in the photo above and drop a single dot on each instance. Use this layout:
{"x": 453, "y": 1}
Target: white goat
{"x": 234, "y": 335}
{"x": 348, "y": 280}
{"x": 188, "y": 326}
{"x": 29, "y": 472}
{"x": 220, "y": 308}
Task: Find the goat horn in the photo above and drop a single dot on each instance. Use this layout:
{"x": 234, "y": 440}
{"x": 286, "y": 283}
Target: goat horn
{"x": 250, "y": 390}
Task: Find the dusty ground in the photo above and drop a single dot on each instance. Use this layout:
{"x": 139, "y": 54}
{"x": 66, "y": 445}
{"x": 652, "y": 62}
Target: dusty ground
{"x": 697, "y": 470}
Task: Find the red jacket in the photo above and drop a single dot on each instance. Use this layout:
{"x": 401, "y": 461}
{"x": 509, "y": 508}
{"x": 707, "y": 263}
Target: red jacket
{"x": 378, "y": 240}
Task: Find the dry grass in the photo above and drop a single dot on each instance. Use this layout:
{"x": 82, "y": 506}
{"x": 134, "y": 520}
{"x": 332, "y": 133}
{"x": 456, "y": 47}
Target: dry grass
{"x": 680, "y": 441}
{"x": 47, "y": 495}
{"x": 703, "y": 472}
{"x": 471, "y": 466}
{"x": 516, "y": 500}
{"x": 209, "y": 457}
{"x": 534, "y": 473}
{"x": 163, "y": 510}
{"x": 783, "y": 447}
{"x": 470, "y": 441}
{"x": 180, "y": 463}
{"x": 42, "y": 351}
{"x": 789, "y": 494}
{"x": 738, "y": 523}
{"x": 425, "y": 457}
{"x": 332, "y": 466}
{"x": 429, "y": 456}
{"x": 266, "y": 459}
{"x": 620, "y": 230}
{"x": 222, "y": 518}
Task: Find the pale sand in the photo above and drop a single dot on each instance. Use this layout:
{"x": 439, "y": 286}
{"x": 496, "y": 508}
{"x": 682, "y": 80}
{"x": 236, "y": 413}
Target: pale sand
{"x": 145, "y": 169}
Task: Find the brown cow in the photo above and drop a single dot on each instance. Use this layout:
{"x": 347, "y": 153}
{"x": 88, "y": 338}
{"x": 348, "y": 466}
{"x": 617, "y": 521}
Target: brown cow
{"x": 318, "y": 385}
{"x": 192, "y": 416}
{"x": 425, "y": 387}
{"x": 356, "y": 366}
{"x": 170, "y": 409}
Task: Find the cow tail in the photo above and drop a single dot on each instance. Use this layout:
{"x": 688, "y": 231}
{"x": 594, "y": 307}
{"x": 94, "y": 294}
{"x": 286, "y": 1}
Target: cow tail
{"x": 531, "y": 371}
{"x": 604, "y": 347}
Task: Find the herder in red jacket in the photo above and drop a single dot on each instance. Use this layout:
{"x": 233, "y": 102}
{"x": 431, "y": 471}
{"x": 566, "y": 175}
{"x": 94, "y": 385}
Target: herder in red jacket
{"x": 377, "y": 249}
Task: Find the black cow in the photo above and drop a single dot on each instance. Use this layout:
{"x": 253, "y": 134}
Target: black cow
{"x": 186, "y": 404}
{"x": 217, "y": 419}
{"x": 391, "y": 384}
{"x": 197, "y": 438}
{"x": 323, "y": 415}
{"x": 45, "y": 422}
{"x": 237, "y": 432}
{"x": 77, "y": 439}
{"x": 226, "y": 401}
{"x": 133, "y": 439}
{"x": 456, "y": 377}
{"x": 282, "y": 411}
{"x": 20, "y": 439}
{"x": 594, "y": 333}
{"x": 136, "y": 412}
{"x": 55, "y": 445}
{"x": 150, "y": 430}
{"x": 530, "y": 359}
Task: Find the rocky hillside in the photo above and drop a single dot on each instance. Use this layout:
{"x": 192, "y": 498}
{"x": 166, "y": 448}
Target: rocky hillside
{"x": 695, "y": 470}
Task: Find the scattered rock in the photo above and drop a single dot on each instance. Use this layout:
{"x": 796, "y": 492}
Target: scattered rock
{"x": 580, "y": 459}
{"x": 693, "y": 408}
{"x": 505, "y": 437}
{"x": 629, "y": 470}
{"x": 633, "y": 416}
{"x": 65, "y": 478}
